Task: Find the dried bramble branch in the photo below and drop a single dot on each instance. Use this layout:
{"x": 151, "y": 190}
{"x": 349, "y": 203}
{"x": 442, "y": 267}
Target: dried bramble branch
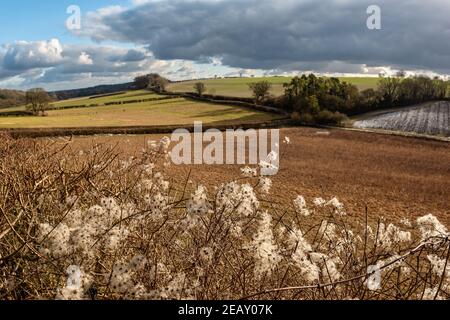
{"x": 365, "y": 276}
{"x": 94, "y": 224}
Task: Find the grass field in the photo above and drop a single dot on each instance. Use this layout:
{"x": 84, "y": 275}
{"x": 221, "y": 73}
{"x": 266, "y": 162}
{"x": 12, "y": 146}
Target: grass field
{"x": 238, "y": 87}
{"x": 395, "y": 177}
{"x": 159, "y": 112}
{"x": 129, "y": 95}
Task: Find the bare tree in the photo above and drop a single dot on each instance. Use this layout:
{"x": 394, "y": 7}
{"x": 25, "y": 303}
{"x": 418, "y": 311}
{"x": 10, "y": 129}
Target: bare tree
{"x": 157, "y": 82}
{"x": 260, "y": 90}
{"x": 389, "y": 89}
{"x": 37, "y": 100}
{"x": 200, "y": 88}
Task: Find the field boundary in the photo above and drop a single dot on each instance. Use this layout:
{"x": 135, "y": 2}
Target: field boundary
{"x": 137, "y": 130}
{"x": 107, "y": 95}
{"x": 383, "y": 111}
{"x": 16, "y": 114}
{"x": 231, "y": 101}
{"x": 222, "y": 100}
{"x": 105, "y": 104}
{"x": 392, "y": 133}
{"x": 166, "y": 129}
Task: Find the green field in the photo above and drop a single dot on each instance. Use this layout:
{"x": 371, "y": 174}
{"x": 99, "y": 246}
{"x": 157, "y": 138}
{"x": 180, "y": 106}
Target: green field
{"x": 238, "y": 87}
{"x": 160, "y": 112}
{"x": 175, "y": 111}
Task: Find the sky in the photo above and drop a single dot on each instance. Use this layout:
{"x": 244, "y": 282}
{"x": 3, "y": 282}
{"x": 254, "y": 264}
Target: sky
{"x": 187, "y": 39}
{"x": 33, "y": 20}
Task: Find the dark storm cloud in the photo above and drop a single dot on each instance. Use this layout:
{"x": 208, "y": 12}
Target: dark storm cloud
{"x": 269, "y": 34}
{"x": 131, "y": 56}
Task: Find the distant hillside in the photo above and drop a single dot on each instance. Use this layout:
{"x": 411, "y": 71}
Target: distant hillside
{"x": 11, "y": 98}
{"x": 15, "y": 98}
{"x": 92, "y": 91}
{"x": 238, "y": 87}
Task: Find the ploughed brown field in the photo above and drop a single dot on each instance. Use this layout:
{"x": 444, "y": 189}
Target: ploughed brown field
{"x": 395, "y": 177}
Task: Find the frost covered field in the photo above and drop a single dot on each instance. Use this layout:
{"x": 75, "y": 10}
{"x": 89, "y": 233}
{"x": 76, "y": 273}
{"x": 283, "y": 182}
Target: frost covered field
{"x": 431, "y": 119}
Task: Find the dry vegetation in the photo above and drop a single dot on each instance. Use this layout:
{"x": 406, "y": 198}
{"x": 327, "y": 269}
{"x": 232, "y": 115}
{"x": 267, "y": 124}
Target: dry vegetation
{"x": 100, "y": 223}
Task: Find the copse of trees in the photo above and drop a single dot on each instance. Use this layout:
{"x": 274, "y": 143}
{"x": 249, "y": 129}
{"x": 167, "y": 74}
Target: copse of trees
{"x": 37, "y": 100}
{"x": 142, "y": 82}
{"x": 159, "y": 83}
{"x": 151, "y": 81}
{"x": 397, "y": 91}
{"x": 312, "y": 99}
{"x": 330, "y": 92}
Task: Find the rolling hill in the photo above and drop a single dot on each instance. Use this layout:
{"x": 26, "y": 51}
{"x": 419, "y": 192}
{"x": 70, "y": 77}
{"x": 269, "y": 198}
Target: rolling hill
{"x": 238, "y": 87}
{"x": 134, "y": 108}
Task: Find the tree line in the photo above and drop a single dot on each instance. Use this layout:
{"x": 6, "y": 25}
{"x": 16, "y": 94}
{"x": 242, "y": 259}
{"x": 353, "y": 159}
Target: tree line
{"x": 328, "y": 100}
{"x": 311, "y": 99}
{"x": 308, "y": 98}
{"x": 403, "y": 91}
{"x": 11, "y": 98}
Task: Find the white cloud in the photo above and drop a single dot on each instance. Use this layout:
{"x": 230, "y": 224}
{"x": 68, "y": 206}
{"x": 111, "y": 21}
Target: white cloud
{"x": 53, "y": 65}
{"x": 111, "y": 10}
{"x": 85, "y": 59}
{"x": 24, "y": 55}
{"x": 140, "y": 2}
